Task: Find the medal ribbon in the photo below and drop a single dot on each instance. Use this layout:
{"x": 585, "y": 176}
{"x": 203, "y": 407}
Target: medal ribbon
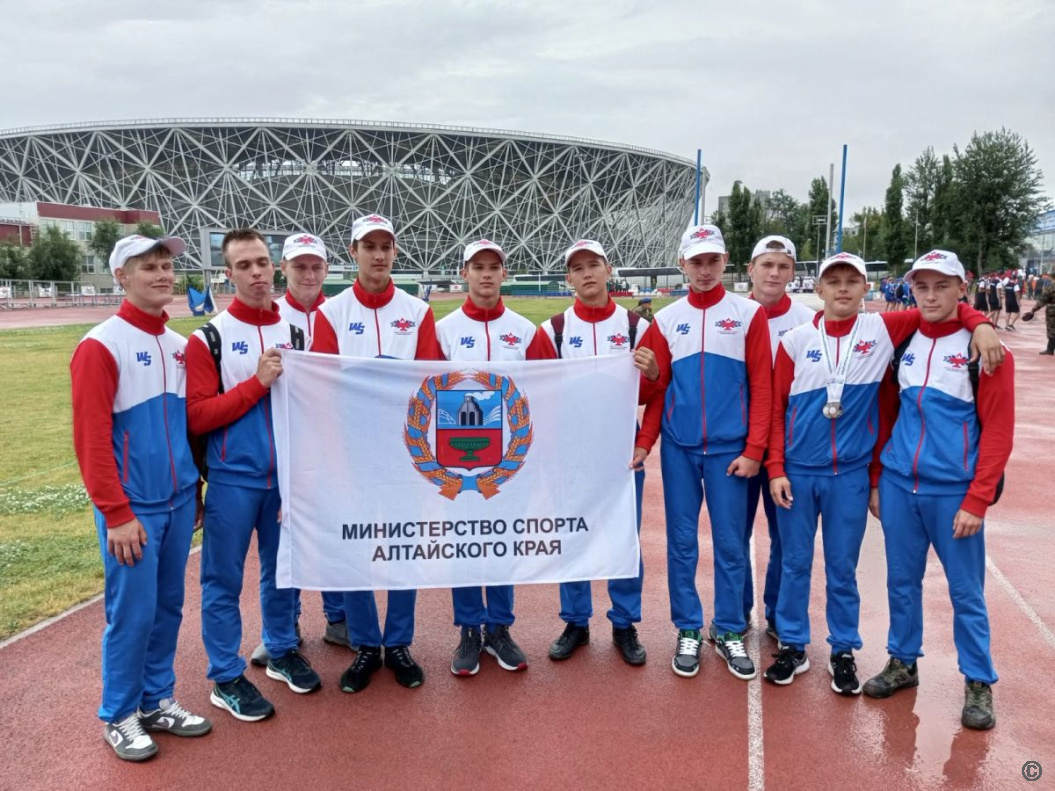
{"x": 837, "y": 374}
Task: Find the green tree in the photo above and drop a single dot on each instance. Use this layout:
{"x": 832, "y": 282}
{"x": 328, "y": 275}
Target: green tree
{"x": 104, "y": 237}
{"x": 818, "y": 203}
{"x": 784, "y": 215}
{"x": 894, "y": 243}
{"x": 921, "y": 185}
{"x": 14, "y": 261}
{"x": 943, "y": 208}
{"x": 54, "y": 256}
{"x": 719, "y": 220}
{"x": 866, "y": 242}
{"x": 147, "y": 228}
{"x": 745, "y": 226}
{"x": 996, "y": 196}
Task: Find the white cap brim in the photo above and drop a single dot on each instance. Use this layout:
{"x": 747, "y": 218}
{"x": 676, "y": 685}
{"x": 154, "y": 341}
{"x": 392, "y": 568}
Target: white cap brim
{"x": 473, "y": 250}
{"x": 122, "y": 252}
{"x": 860, "y": 268}
{"x": 703, "y": 247}
{"x": 943, "y": 267}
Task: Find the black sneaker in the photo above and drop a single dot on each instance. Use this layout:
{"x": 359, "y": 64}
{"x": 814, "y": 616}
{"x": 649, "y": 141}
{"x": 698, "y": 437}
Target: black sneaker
{"x": 789, "y": 664}
{"x": 171, "y": 717}
{"x": 466, "y": 661}
{"x": 896, "y": 675}
{"x": 571, "y": 638}
{"x": 730, "y": 647}
{"x": 242, "y": 699}
{"x": 686, "y": 661}
{"x": 129, "y": 740}
{"x": 408, "y": 672}
{"x": 844, "y": 673}
{"x": 629, "y": 646}
{"x": 357, "y": 677}
{"x": 295, "y": 670}
{"x": 501, "y": 645}
{"x": 978, "y": 711}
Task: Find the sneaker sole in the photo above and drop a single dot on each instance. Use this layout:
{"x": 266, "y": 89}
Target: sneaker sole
{"x": 840, "y": 691}
{"x": 220, "y": 703}
{"x": 299, "y": 690}
{"x": 411, "y": 685}
{"x": 733, "y": 670}
{"x": 683, "y": 673}
{"x": 503, "y": 665}
{"x": 798, "y": 672}
{"x": 465, "y": 673}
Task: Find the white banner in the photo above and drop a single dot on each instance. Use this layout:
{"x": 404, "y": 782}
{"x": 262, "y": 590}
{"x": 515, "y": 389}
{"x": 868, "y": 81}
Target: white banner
{"x": 398, "y": 474}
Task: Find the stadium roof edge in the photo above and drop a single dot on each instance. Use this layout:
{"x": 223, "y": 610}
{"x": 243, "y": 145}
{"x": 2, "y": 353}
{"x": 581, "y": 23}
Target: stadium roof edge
{"x": 328, "y": 122}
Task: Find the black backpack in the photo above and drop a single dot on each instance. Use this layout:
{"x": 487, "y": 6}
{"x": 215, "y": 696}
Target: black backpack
{"x": 972, "y": 373}
{"x": 558, "y": 330}
{"x": 199, "y": 445}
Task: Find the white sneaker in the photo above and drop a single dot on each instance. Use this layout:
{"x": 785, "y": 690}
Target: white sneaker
{"x": 129, "y": 740}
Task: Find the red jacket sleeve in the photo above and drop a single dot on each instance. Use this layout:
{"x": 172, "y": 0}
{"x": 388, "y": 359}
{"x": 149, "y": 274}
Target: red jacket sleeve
{"x": 759, "y": 359}
{"x": 541, "y": 347}
{"x": 889, "y": 406}
{"x": 207, "y": 409}
{"x": 323, "y": 338}
{"x": 902, "y": 323}
{"x": 93, "y": 373}
{"x": 652, "y": 421}
{"x": 996, "y": 415}
{"x": 428, "y": 343}
{"x": 783, "y": 375}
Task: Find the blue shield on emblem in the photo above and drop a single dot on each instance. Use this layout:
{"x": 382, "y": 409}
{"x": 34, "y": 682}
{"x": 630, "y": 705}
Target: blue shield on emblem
{"x": 469, "y": 428}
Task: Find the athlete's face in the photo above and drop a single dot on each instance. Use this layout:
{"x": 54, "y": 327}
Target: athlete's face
{"x": 704, "y": 271}
{"x": 374, "y": 254}
{"x": 937, "y": 294}
{"x": 304, "y": 275}
{"x": 842, "y": 288}
{"x": 770, "y": 274}
{"x": 484, "y": 274}
{"x": 148, "y": 280}
{"x": 588, "y": 274}
{"x": 250, "y": 268}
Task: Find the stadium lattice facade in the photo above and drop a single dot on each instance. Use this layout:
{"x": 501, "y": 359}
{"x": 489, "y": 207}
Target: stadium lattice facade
{"x": 442, "y": 186}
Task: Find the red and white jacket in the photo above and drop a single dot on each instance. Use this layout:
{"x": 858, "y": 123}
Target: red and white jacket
{"x": 241, "y": 444}
{"x": 474, "y": 333}
{"x": 786, "y": 315}
{"x": 356, "y": 323}
{"x": 300, "y": 316}
{"x": 129, "y": 416}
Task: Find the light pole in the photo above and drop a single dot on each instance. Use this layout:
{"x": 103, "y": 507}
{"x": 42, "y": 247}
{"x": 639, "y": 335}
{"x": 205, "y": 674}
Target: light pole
{"x": 915, "y": 241}
{"x": 864, "y": 244}
{"x": 818, "y": 220}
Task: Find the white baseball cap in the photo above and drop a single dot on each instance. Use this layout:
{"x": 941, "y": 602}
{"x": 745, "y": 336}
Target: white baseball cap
{"x": 473, "y": 248}
{"x": 938, "y": 261}
{"x": 702, "y": 239}
{"x": 372, "y": 222}
{"x": 136, "y": 245}
{"x": 303, "y": 244}
{"x": 585, "y": 244}
{"x": 843, "y": 258}
{"x": 786, "y": 246}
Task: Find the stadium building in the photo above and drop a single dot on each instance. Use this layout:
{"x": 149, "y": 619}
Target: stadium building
{"x": 442, "y": 186}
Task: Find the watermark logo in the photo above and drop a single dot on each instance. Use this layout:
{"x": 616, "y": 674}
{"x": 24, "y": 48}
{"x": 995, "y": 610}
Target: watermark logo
{"x": 1032, "y": 771}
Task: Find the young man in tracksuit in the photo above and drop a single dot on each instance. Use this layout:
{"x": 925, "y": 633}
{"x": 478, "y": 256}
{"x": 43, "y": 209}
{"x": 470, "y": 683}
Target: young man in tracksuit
{"x": 824, "y": 431}
{"x": 130, "y": 436}
{"x": 229, "y": 400}
{"x": 713, "y": 349}
{"x": 375, "y": 319}
{"x": 593, "y": 326}
{"x": 941, "y": 469}
{"x": 304, "y": 265}
{"x": 484, "y": 329}
{"x": 771, "y": 269}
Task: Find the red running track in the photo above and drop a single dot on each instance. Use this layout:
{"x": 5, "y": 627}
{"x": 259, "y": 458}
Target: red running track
{"x": 593, "y": 722}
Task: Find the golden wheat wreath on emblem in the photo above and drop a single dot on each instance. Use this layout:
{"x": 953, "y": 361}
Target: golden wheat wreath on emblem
{"x": 416, "y": 435}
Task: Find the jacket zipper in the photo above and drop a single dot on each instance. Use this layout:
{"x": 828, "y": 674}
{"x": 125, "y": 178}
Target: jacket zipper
{"x": 703, "y": 391}
{"x": 267, "y": 415}
{"x": 487, "y": 334}
{"x": 835, "y": 453}
{"x": 377, "y": 328}
{"x": 165, "y": 413}
{"x": 922, "y": 420}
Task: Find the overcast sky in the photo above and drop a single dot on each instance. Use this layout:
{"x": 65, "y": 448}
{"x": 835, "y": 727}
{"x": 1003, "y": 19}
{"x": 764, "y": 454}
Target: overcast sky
{"x": 769, "y": 90}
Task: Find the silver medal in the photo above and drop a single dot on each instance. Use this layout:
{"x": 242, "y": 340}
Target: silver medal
{"x": 833, "y": 410}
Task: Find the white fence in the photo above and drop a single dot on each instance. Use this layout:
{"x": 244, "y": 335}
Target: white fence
{"x": 19, "y": 294}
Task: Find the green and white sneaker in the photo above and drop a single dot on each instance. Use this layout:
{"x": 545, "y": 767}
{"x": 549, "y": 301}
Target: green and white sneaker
{"x": 730, "y": 647}
{"x": 128, "y": 739}
{"x": 686, "y": 661}
{"x": 171, "y": 717}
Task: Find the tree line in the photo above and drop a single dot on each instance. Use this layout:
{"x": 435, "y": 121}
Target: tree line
{"x": 981, "y": 202}
{"x": 53, "y": 256}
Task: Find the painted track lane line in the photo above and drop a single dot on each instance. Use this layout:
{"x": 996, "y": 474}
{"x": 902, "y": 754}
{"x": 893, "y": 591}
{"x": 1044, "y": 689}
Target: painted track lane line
{"x": 756, "y": 760}
{"x": 1023, "y": 605}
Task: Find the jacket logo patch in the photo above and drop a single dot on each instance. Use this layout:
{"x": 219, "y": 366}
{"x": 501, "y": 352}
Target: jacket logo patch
{"x": 403, "y": 326}
{"x": 180, "y": 358}
{"x": 509, "y": 339}
{"x": 683, "y": 329}
{"x": 908, "y": 358}
{"x": 240, "y": 346}
{"x": 575, "y": 341}
{"x": 957, "y": 361}
{"x": 618, "y": 340}
{"x": 143, "y": 357}
{"x": 728, "y": 326}
{"x": 286, "y": 345}
{"x": 468, "y": 341}
{"x": 357, "y": 327}
{"x": 814, "y": 355}
{"x": 864, "y": 348}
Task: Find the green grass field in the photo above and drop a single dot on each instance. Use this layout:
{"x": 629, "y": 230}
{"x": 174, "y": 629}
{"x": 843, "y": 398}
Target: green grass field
{"x": 49, "y": 555}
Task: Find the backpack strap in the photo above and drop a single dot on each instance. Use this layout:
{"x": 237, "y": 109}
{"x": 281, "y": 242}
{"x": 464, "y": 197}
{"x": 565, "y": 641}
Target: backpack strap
{"x": 296, "y": 337}
{"x": 212, "y": 338}
{"x": 899, "y": 352}
{"x": 557, "y": 322}
{"x": 634, "y": 319}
